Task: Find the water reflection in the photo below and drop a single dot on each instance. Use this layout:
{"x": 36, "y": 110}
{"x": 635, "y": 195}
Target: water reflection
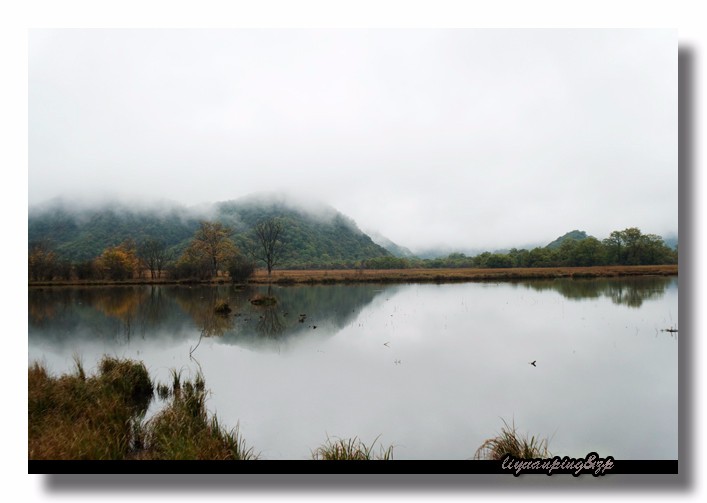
{"x": 631, "y": 292}
{"x": 429, "y": 367}
{"x": 120, "y": 313}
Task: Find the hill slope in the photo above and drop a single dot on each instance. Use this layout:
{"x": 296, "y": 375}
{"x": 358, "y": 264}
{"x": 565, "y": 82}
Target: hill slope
{"x": 312, "y": 235}
{"x": 576, "y": 235}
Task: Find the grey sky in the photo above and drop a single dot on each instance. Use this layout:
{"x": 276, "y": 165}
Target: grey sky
{"x": 462, "y": 138}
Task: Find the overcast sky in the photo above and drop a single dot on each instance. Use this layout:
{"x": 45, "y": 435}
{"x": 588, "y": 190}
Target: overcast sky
{"x": 460, "y": 138}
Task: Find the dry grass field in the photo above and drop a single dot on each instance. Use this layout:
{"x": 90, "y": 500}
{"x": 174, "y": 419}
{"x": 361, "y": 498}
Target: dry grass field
{"x": 454, "y": 275}
{"x": 421, "y": 275}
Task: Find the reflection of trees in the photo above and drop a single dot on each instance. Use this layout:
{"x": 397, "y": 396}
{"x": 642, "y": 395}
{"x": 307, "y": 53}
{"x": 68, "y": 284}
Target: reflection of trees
{"x": 104, "y": 311}
{"x": 109, "y": 313}
{"x": 42, "y": 306}
{"x": 66, "y": 316}
{"x": 121, "y": 303}
{"x": 153, "y": 308}
{"x": 199, "y": 304}
{"x": 333, "y": 305}
{"x": 329, "y": 307}
{"x": 213, "y": 324}
{"x": 630, "y": 292}
{"x": 118, "y": 303}
{"x": 270, "y": 324}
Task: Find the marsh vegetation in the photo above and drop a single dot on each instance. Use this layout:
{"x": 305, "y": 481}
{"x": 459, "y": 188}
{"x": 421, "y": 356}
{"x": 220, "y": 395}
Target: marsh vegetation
{"x": 75, "y": 416}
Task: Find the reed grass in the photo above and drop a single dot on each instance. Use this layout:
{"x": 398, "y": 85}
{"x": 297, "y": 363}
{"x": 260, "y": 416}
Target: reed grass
{"x": 176, "y": 379}
{"x": 183, "y": 430}
{"x": 75, "y": 416}
{"x": 351, "y": 449}
{"x": 79, "y": 417}
{"x": 509, "y": 441}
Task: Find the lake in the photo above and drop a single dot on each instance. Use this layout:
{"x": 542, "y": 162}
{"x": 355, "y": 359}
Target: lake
{"x": 432, "y": 369}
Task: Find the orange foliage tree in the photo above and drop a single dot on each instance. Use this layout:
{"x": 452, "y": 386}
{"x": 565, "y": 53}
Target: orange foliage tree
{"x": 118, "y": 262}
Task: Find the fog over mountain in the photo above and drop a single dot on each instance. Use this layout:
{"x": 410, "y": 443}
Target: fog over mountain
{"x": 460, "y": 139}
{"x": 313, "y": 234}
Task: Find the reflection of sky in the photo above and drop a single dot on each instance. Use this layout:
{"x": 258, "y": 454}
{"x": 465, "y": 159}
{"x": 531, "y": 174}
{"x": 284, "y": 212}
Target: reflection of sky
{"x": 455, "y": 363}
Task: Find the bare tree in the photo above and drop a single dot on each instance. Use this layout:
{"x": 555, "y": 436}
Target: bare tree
{"x": 153, "y": 255}
{"x": 267, "y": 233}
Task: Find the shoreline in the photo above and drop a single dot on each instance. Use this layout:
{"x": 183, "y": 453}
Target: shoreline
{"x": 417, "y": 275}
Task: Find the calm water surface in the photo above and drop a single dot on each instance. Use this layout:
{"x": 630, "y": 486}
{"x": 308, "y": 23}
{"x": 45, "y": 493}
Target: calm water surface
{"x": 431, "y": 369}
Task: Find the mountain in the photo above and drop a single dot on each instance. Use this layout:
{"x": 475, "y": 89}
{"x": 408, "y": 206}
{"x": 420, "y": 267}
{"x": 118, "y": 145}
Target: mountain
{"x": 313, "y": 234}
{"x": 576, "y": 235}
{"x": 80, "y": 233}
{"x": 395, "y": 249}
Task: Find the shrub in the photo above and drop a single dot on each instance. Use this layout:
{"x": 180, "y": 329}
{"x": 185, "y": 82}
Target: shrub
{"x": 240, "y": 269}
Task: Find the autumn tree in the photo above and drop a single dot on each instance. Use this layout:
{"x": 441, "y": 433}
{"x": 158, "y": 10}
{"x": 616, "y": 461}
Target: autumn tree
{"x": 211, "y": 247}
{"x": 118, "y": 262}
{"x": 192, "y": 264}
{"x": 268, "y": 245}
{"x": 42, "y": 261}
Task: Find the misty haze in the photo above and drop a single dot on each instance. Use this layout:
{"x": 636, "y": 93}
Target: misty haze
{"x": 298, "y": 244}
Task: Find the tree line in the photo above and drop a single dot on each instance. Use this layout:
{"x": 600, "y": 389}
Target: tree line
{"x": 212, "y": 252}
{"x": 627, "y": 247}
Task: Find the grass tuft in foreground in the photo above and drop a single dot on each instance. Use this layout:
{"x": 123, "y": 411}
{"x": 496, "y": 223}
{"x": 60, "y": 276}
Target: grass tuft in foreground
{"x": 351, "y": 449}
{"x": 80, "y": 417}
{"x": 183, "y": 429}
{"x": 509, "y": 441}
{"x": 75, "y": 416}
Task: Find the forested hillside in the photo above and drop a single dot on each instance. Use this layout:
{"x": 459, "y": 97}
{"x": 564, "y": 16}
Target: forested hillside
{"x": 576, "y": 235}
{"x": 78, "y": 235}
{"x": 311, "y": 238}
